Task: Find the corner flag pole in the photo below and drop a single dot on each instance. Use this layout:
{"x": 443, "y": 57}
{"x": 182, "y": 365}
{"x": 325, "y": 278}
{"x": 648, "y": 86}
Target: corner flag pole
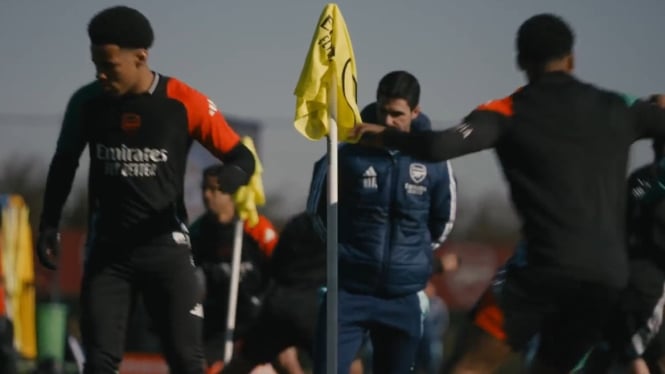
{"x": 332, "y": 240}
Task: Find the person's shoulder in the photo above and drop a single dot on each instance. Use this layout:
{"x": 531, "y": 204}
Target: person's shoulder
{"x": 615, "y": 96}
{"x": 421, "y": 123}
{"x": 300, "y": 227}
{"x": 349, "y": 147}
{"x": 343, "y": 150}
{"x": 87, "y": 92}
{"x": 503, "y": 105}
{"x": 197, "y": 103}
{"x": 352, "y": 150}
{"x": 178, "y": 87}
{"x": 92, "y": 87}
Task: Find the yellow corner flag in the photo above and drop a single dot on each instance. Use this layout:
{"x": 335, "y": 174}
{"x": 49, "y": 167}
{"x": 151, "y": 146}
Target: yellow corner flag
{"x": 330, "y": 61}
{"x": 19, "y": 273}
{"x": 249, "y": 197}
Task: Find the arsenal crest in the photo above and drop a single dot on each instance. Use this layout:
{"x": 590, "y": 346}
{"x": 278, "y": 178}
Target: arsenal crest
{"x": 418, "y": 172}
{"x": 130, "y": 122}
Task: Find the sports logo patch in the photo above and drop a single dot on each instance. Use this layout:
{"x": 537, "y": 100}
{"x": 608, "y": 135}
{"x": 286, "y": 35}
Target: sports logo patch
{"x": 130, "y": 122}
{"x": 417, "y": 172}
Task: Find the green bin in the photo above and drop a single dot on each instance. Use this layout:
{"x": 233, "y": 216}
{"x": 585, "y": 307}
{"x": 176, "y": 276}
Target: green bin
{"x": 51, "y": 331}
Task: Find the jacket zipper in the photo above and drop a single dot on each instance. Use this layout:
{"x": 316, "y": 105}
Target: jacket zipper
{"x": 387, "y": 253}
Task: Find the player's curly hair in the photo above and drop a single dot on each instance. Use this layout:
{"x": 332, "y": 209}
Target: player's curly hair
{"x": 543, "y": 38}
{"x": 121, "y": 25}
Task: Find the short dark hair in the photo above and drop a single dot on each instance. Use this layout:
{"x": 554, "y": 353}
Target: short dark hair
{"x": 543, "y": 38}
{"x": 121, "y": 25}
{"x": 399, "y": 85}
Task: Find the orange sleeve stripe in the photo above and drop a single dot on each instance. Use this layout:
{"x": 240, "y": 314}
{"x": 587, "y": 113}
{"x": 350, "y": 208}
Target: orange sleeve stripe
{"x": 205, "y": 122}
{"x": 264, "y": 234}
{"x": 489, "y": 316}
{"x": 502, "y": 106}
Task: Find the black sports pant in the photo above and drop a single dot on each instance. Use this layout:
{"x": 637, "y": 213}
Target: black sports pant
{"x": 567, "y": 315}
{"x": 8, "y": 354}
{"x": 287, "y": 318}
{"x": 636, "y": 327}
{"x": 160, "y": 269}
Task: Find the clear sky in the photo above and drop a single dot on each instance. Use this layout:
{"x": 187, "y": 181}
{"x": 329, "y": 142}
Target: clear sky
{"x": 247, "y": 56}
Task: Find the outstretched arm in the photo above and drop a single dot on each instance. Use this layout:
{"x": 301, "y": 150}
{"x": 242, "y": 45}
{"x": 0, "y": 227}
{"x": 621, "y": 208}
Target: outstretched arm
{"x": 480, "y": 130}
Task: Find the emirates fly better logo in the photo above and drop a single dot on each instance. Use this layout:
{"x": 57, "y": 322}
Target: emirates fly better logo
{"x": 130, "y": 162}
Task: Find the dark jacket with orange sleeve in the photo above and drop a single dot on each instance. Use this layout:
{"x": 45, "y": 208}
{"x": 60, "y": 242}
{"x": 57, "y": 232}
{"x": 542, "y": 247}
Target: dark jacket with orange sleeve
{"x": 138, "y": 148}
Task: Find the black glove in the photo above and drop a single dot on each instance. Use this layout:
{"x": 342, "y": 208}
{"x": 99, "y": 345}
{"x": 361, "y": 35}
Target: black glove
{"x": 48, "y": 247}
{"x": 216, "y": 273}
{"x": 231, "y": 178}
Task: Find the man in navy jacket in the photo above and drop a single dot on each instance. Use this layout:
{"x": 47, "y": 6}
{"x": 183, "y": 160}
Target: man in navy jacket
{"x": 393, "y": 211}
